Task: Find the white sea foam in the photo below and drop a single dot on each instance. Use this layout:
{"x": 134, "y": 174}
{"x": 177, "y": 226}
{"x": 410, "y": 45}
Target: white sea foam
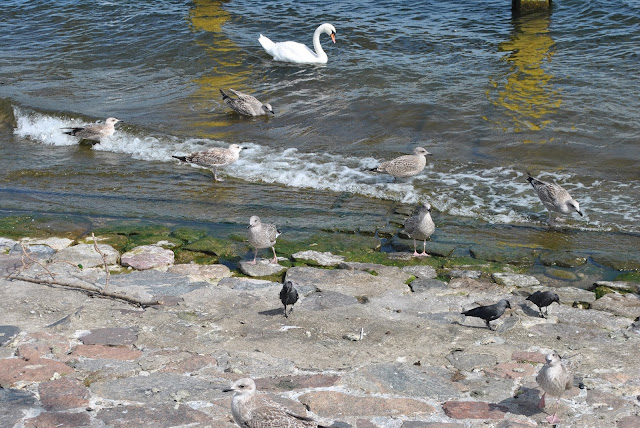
{"x": 497, "y": 195}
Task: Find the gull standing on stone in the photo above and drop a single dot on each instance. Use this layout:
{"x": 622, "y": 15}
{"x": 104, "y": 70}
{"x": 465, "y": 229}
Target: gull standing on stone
{"x": 288, "y": 296}
{"x": 213, "y": 158}
{"x": 420, "y": 226}
{"x": 262, "y": 235}
{"x": 555, "y": 198}
{"x": 554, "y": 379}
{"x": 245, "y": 104}
{"x": 94, "y": 132}
{"x": 251, "y": 410}
{"x": 490, "y": 312}
{"x": 543, "y": 299}
{"x": 405, "y": 166}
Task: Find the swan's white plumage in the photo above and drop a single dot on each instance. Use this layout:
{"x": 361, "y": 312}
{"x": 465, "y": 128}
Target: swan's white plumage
{"x": 297, "y": 52}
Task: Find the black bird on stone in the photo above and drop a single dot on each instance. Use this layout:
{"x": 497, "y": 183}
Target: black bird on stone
{"x": 288, "y": 296}
{"x": 542, "y": 299}
{"x": 490, "y": 312}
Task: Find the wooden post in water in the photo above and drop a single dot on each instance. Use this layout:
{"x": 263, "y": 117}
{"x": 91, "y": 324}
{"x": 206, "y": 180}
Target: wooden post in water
{"x": 520, "y": 7}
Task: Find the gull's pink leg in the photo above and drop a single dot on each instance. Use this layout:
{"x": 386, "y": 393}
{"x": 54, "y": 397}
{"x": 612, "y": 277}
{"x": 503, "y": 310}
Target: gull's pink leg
{"x": 541, "y": 403}
{"x": 275, "y": 259}
{"x": 254, "y": 257}
{"x": 424, "y": 249}
{"x": 553, "y": 419}
{"x": 415, "y": 251}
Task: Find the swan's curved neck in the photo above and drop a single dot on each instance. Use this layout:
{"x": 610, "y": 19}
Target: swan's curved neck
{"x": 316, "y": 42}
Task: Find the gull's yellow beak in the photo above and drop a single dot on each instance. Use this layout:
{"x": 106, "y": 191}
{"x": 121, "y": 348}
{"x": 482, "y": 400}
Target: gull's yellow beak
{"x": 333, "y": 37}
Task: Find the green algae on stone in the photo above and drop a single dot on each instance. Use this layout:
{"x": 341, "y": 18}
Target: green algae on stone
{"x": 561, "y": 274}
{"x": 137, "y": 240}
{"x": 24, "y": 226}
{"x": 628, "y": 276}
{"x": 602, "y": 290}
{"x": 213, "y": 246}
{"x": 119, "y": 242}
{"x": 188, "y": 235}
{"x": 503, "y": 254}
{"x": 619, "y": 261}
{"x": 133, "y": 229}
{"x": 562, "y": 259}
{"x": 183, "y": 256}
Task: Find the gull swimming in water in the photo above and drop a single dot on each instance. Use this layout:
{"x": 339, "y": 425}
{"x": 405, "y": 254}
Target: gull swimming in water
{"x": 405, "y": 166}
{"x": 554, "y": 379}
{"x": 94, "y": 132}
{"x": 420, "y": 226}
{"x": 251, "y": 410}
{"x": 555, "y": 198}
{"x": 262, "y": 235}
{"x": 245, "y": 104}
{"x": 297, "y": 52}
{"x": 213, "y": 158}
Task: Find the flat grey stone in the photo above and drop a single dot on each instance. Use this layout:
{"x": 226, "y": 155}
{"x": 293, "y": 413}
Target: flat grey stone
{"x": 7, "y": 333}
{"x": 197, "y": 272}
{"x": 562, "y": 259}
{"x": 569, "y": 295}
{"x": 327, "y": 300}
{"x": 619, "y": 285}
{"x": 36, "y": 250}
{"x": 467, "y": 362}
{"x": 261, "y": 268}
{"x": 405, "y": 380}
{"x": 147, "y": 257}
{"x": 318, "y": 258}
{"x": 15, "y": 404}
{"x": 374, "y": 269}
{"x": 514, "y": 279}
{"x": 155, "y": 283}
{"x": 87, "y": 256}
{"x": 465, "y": 273}
{"x": 247, "y": 284}
{"x": 7, "y": 244}
{"x": 426, "y": 285}
{"x": 420, "y": 272}
{"x": 53, "y": 242}
{"x": 625, "y": 305}
{"x": 158, "y": 388}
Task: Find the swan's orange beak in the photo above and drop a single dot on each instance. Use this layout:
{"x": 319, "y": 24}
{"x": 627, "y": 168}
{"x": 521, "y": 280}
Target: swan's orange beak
{"x": 333, "y": 37}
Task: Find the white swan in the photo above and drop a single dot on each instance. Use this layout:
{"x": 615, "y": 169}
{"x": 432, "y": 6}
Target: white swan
{"x": 297, "y": 52}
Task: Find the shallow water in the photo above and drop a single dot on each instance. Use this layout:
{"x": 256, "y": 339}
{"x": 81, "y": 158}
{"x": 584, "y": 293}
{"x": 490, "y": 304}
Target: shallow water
{"x": 491, "y": 96}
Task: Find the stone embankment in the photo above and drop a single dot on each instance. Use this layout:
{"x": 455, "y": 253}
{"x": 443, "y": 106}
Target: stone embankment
{"x": 366, "y": 346}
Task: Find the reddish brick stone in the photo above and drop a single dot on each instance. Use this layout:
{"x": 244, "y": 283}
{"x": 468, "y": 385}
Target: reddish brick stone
{"x": 473, "y": 410}
{"x": 32, "y": 351}
{"x": 513, "y": 370}
{"x": 57, "y": 344}
{"x": 107, "y": 352}
{"x": 110, "y": 336}
{"x": 337, "y": 405}
{"x": 602, "y": 399}
{"x": 629, "y": 422}
{"x": 190, "y": 364}
{"x": 364, "y": 423}
{"x": 58, "y": 420}
{"x": 417, "y": 424}
{"x": 13, "y": 370}
{"x": 63, "y": 394}
{"x": 528, "y": 357}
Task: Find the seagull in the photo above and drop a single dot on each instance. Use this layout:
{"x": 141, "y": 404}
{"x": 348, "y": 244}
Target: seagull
{"x": 94, "y": 132}
{"x": 554, "y": 379}
{"x": 543, "y": 299}
{"x": 251, "y": 410}
{"x": 262, "y": 235}
{"x": 213, "y": 158}
{"x": 288, "y": 296}
{"x": 246, "y": 105}
{"x": 405, "y": 166}
{"x": 420, "y": 226}
{"x": 554, "y": 197}
{"x": 490, "y": 312}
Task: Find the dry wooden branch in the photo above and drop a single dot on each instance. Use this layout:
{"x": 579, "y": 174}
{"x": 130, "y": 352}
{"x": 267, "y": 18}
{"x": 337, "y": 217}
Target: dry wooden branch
{"x": 104, "y": 262}
{"x": 90, "y": 289}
